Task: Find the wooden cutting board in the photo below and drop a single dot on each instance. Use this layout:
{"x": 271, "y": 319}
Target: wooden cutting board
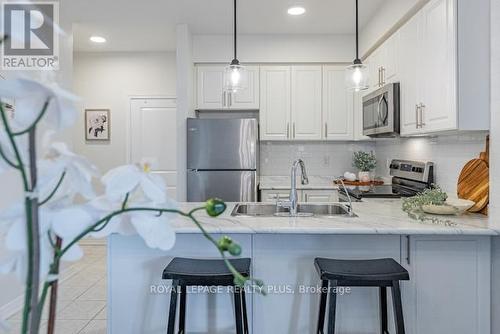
{"x": 474, "y": 183}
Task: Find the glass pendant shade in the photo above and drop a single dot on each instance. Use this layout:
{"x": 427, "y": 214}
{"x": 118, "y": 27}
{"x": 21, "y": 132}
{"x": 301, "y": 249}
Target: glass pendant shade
{"x": 356, "y": 77}
{"x": 235, "y": 78}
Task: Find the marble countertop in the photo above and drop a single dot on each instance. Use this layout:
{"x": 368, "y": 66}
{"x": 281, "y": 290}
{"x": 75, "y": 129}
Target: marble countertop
{"x": 375, "y": 216}
{"x": 283, "y": 183}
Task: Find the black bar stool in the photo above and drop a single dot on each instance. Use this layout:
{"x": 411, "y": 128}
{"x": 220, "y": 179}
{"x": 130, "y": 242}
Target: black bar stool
{"x": 194, "y": 272}
{"x": 380, "y": 273}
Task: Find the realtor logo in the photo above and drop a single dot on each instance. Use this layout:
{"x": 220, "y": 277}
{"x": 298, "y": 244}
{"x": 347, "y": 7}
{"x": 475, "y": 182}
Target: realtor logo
{"x": 32, "y": 42}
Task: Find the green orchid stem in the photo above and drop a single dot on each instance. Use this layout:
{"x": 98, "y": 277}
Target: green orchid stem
{"x": 104, "y": 221}
{"x": 28, "y": 206}
{"x": 56, "y": 188}
{"x": 35, "y": 234}
{"x": 4, "y": 157}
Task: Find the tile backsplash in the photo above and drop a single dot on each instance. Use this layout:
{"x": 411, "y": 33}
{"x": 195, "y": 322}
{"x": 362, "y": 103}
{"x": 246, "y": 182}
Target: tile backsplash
{"x": 449, "y": 153}
{"x": 321, "y": 159}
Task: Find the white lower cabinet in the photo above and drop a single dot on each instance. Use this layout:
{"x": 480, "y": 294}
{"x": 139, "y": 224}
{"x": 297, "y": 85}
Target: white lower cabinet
{"x": 320, "y": 196}
{"x": 449, "y": 290}
{"x": 271, "y": 196}
{"x": 307, "y": 196}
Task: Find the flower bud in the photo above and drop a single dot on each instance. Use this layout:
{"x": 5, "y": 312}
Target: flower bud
{"x": 215, "y": 207}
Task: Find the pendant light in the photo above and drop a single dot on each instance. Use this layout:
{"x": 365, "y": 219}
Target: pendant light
{"x": 356, "y": 75}
{"x": 235, "y": 76}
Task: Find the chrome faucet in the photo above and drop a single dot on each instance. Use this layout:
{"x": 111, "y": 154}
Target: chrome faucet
{"x": 350, "y": 211}
{"x": 292, "y": 203}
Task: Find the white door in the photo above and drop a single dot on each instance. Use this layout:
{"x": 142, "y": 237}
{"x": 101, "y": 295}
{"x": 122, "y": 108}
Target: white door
{"x": 338, "y": 112}
{"x": 247, "y": 99}
{"x": 210, "y": 82}
{"x": 275, "y": 102}
{"x": 409, "y": 72}
{"x": 439, "y": 67}
{"x": 306, "y": 102}
{"x": 153, "y": 137}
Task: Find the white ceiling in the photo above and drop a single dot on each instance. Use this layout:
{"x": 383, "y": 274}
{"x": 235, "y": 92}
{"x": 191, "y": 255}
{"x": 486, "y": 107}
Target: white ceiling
{"x": 149, "y": 25}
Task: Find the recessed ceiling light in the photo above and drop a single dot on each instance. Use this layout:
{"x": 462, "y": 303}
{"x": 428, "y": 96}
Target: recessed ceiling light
{"x": 296, "y": 10}
{"x": 98, "y": 39}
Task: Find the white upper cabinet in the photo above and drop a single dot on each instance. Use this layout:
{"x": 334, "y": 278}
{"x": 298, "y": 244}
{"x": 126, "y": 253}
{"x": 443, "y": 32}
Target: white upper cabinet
{"x": 409, "y": 75}
{"x": 211, "y": 94}
{"x": 338, "y": 115}
{"x": 247, "y": 99}
{"x": 210, "y": 81}
{"x": 438, "y": 110}
{"x": 384, "y": 63}
{"x": 444, "y": 86}
{"x": 275, "y": 111}
{"x": 306, "y": 102}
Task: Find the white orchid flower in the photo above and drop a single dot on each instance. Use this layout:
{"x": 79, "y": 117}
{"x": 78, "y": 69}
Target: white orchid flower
{"x": 4, "y": 326}
{"x": 16, "y": 242}
{"x": 79, "y": 173}
{"x": 155, "y": 229}
{"x": 127, "y": 179}
{"x": 31, "y": 96}
{"x": 8, "y": 152}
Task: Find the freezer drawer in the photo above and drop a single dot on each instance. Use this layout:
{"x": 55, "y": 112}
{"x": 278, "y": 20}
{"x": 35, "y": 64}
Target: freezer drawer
{"x": 230, "y": 186}
{"x": 217, "y": 144}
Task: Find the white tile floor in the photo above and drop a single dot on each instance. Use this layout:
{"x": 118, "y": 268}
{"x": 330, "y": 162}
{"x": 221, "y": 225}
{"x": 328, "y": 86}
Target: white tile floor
{"x": 82, "y": 297}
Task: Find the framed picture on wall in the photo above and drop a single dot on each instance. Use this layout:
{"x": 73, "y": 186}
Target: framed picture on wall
{"x": 97, "y": 125}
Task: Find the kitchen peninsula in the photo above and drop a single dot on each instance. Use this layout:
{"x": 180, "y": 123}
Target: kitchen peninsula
{"x": 449, "y": 265}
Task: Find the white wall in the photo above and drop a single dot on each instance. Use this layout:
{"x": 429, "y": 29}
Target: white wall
{"x": 185, "y": 103}
{"x": 108, "y": 80}
{"x": 388, "y": 15}
{"x": 275, "y": 48}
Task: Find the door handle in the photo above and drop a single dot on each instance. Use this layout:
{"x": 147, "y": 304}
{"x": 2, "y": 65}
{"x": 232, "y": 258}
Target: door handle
{"x": 416, "y": 116}
{"x": 408, "y": 249}
{"x": 383, "y": 75}
{"x": 379, "y": 77}
{"x": 326, "y": 130}
{"x": 293, "y": 130}
{"x": 224, "y": 99}
{"x": 230, "y": 98}
{"x": 287, "y": 130}
{"x": 422, "y": 108}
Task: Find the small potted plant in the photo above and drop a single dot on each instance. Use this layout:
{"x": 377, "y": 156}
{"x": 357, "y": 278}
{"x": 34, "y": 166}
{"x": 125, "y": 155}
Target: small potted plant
{"x": 365, "y": 162}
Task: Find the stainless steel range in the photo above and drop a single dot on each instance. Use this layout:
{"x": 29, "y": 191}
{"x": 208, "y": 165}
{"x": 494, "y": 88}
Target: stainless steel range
{"x": 408, "y": 179}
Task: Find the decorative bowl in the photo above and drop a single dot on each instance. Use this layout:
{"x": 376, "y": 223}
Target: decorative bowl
{"x": 453, "y": 206}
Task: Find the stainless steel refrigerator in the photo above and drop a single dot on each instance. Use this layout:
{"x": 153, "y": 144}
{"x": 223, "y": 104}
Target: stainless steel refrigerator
{"x": 222, "y": 159}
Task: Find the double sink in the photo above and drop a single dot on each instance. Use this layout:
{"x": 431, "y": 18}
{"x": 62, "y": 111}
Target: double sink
{"x": 303, "y": 210}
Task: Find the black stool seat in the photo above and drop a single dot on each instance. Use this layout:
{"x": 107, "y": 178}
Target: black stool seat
{"x": 361, "y": 270}
{"x": 189, "y": 269}
{"x": 186, "y": 272}
{"x": 381, "y": 273}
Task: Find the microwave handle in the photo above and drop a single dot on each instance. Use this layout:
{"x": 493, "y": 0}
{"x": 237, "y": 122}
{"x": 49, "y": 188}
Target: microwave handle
{"x": 379, "y": 116}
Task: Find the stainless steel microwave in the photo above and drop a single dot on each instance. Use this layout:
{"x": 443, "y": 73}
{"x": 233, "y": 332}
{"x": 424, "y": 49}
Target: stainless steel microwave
{"x": 381, "y": 111}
